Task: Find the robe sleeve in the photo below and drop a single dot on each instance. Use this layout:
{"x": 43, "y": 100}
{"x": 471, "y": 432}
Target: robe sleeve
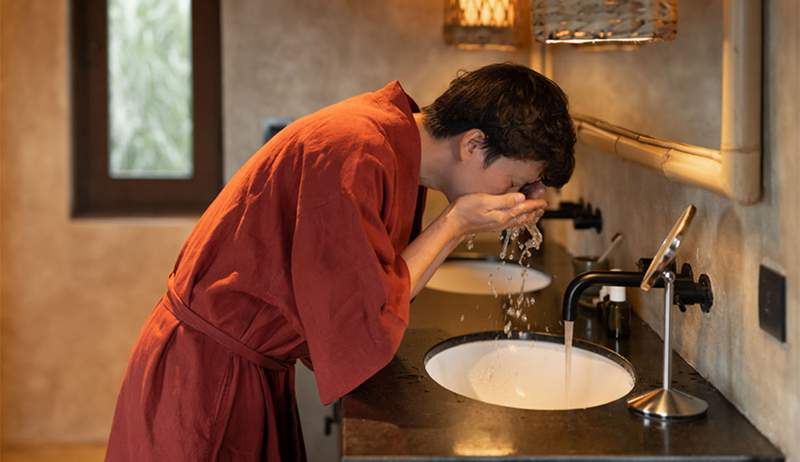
{"x": 351, "y": 286}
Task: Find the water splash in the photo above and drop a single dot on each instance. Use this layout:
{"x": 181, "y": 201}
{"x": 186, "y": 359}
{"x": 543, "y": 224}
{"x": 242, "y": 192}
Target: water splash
{"x": 514, "y": 310}
{"x": 505, "y": 246}
{"x": 491, "y": 284}
{"x": 536, "y": 235}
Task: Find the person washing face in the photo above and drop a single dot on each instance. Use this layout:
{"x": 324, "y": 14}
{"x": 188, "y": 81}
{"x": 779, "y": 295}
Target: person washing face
{"x": 314, "y": 250}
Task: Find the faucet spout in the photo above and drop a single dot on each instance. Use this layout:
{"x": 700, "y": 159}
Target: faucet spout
{"x": 687, "y": 291}
{"x": 585, "y": 280}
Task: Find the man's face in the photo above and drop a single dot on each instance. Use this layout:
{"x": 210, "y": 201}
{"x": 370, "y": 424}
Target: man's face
{"x": 504, "y": 175}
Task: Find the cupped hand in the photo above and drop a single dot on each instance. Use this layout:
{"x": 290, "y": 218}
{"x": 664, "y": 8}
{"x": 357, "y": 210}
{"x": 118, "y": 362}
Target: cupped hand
{"x": 478, "y": 212}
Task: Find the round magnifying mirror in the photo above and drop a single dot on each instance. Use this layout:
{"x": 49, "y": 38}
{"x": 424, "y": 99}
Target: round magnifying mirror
{"x": 666, "y": 253}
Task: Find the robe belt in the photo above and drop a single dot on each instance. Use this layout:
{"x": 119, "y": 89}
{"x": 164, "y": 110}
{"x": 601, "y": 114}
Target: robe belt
{"x": 185, "y": 315}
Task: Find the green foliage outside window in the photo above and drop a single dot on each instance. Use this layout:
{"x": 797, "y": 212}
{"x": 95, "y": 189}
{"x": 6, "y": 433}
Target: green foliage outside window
{"x": 150, "y": 88}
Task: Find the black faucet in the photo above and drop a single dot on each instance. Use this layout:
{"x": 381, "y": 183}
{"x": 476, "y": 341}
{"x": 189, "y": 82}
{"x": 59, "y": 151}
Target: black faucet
{"x": 687, "y": 291}
{"x": 583, "y": 216}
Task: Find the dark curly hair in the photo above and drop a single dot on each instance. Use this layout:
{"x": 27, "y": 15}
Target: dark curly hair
{"x": 522, "y": 113}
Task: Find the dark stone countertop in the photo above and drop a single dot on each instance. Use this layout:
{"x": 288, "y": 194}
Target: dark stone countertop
{"x": 401, "y": 414}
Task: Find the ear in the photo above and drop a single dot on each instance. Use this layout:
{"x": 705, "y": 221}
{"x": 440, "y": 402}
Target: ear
{"x": 471, "y": 144}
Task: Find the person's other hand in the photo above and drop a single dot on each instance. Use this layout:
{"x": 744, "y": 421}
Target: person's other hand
{"x": 534, "y": 190}
{"x": 473, "y": 213}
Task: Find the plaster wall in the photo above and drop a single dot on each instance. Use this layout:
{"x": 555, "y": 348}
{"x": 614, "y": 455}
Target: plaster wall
{"x": 75, "y": 293}
{"x": 2, "y": 151}
{"x": 287, "y": 58}
{"x": 672, "y": 90}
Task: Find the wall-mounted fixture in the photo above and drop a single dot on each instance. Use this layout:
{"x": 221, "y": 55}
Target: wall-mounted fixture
{"x": 583, "y": 216}
{"x": 604, "y": 22}
{"x": 502, "y": 24}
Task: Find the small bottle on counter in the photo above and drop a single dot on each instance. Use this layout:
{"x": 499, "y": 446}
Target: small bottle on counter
{"x": 618, "y": 313}
{"x": 602, "y": 301}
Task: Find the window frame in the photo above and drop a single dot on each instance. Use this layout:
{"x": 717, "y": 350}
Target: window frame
{"x": 94, "y": 191}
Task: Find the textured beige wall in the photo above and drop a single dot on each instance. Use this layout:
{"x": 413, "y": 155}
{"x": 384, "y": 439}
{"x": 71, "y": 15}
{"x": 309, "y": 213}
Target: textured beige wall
{"x": 288, "y": 58}
{"x": 3, "y": 117}
{"x": 75, "y": 292}
{"x": 648, "y": 89}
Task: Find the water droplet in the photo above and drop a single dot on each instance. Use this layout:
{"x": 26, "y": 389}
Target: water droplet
{"x": 505, "y": 246}
{"x": 471, "y": 242}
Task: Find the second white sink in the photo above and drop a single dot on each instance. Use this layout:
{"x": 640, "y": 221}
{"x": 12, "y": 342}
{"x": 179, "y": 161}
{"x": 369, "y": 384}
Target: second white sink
{"x": 471, "y": 276}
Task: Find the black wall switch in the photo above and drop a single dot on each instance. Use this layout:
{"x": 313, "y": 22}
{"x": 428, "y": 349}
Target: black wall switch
{"x": 772, "y": 302}
{"x": 272, "y": 125}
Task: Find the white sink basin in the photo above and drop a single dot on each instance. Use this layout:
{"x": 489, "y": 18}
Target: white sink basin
{"x": 529, "y": 374}
{"x": 471, "y": 276}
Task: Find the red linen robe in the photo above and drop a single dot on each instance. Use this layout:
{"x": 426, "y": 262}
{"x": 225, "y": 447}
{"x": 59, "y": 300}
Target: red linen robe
{"x": 297, "y": 258}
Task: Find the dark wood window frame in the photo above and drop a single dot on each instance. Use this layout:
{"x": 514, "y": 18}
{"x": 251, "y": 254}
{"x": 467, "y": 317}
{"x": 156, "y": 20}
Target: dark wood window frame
{"x": 94, "y": 191}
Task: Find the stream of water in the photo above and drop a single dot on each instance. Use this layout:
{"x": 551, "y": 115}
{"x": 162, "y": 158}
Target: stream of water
{"x": 568, "y": 326}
